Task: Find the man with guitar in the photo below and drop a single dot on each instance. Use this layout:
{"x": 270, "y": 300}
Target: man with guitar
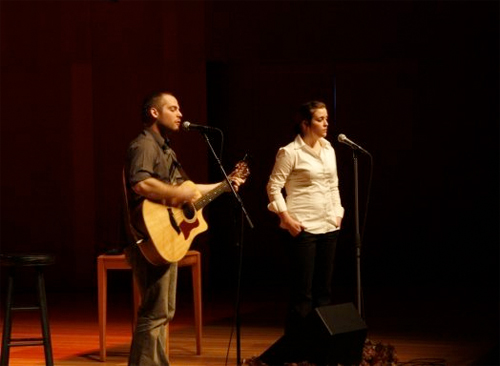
{"x": 153, "y": 176}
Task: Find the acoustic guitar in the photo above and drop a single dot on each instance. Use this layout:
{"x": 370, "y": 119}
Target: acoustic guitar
{"x": 171, "y": 230}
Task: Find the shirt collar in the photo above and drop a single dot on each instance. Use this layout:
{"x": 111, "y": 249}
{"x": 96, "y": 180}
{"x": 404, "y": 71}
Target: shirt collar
{"x": 299, "y": 142}
{"x": 163, "y": 142}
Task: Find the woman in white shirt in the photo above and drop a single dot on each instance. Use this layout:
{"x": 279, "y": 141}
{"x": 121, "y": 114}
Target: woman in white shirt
{"x": 311, "y": 212}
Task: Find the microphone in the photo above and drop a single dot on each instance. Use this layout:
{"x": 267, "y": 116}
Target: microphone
{"x": 188, "y": 126}
{"x": 343, "y": 139}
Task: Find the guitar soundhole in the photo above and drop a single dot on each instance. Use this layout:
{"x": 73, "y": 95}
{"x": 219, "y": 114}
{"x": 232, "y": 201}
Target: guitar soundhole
{"x": 189, "y": 212}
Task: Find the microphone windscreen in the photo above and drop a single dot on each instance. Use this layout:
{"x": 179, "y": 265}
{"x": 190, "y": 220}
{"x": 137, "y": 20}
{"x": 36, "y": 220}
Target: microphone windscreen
{"x": 342, "y": 137}
{"x": 185, "y": 125}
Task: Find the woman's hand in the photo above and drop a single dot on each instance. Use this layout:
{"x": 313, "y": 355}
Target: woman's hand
{"x": 288, "y": 223}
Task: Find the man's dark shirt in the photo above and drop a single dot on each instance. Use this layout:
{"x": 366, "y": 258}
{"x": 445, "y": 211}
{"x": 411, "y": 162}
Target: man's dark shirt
{"x": 148, "y": 156}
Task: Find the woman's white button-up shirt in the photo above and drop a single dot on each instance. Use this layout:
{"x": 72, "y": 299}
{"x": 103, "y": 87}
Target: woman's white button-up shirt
{"x": 311, "y": 185}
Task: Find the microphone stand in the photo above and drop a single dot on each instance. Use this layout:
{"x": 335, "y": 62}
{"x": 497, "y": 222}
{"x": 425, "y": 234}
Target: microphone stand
{"x": 240, "y": 249}
{"x": 357, "y": 237}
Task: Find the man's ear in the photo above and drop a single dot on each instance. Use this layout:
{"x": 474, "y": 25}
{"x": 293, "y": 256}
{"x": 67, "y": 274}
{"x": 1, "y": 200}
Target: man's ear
{"x": 154, "y": 112}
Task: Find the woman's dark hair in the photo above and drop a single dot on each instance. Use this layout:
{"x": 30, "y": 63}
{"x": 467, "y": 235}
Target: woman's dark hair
{"x": 305, "y": 113}
{"x": 149, "y": 102}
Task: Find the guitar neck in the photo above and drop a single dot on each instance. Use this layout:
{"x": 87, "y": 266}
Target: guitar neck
{"x": 211, "y": 195}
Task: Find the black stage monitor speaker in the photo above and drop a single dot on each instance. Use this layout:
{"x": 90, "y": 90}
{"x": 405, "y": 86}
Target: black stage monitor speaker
{"x": 337, "y": 335}
{"x": 334, "y": 334}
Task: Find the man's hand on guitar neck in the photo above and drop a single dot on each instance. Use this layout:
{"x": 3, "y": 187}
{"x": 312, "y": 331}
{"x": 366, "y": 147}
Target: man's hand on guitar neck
{"x": 239, "y": 175}
{"x": 236, "y": 182}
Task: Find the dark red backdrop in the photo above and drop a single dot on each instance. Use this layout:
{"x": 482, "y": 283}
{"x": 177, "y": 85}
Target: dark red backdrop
{"x": 416, "y": 84}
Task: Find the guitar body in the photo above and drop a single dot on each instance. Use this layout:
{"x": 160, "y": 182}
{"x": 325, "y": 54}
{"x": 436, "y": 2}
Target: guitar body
{"x": 171, "y": 230}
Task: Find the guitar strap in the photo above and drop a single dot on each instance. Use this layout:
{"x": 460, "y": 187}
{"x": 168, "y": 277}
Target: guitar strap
{"x": 175, "y": 163}
{"x": 181, "y": 170}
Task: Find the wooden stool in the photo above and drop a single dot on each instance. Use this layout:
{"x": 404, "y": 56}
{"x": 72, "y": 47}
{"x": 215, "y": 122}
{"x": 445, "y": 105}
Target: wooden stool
{"x": 107, "y": 262}
{"x": 15, "y": 262}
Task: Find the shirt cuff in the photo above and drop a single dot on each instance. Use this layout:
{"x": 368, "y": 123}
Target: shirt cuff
{"x": 139, "y": 177}
{"x": 277, "y": 206}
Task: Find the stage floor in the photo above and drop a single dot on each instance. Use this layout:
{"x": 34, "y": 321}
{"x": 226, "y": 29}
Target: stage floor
{"x": 436, "y": 330}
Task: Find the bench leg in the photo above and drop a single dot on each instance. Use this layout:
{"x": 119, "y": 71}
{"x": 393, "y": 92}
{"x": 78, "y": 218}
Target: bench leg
{"x": 42, "y": 299}
{"x": 7, "y": 325}
{"x": 102, "y": 279}
{"x": 196, "y": 274}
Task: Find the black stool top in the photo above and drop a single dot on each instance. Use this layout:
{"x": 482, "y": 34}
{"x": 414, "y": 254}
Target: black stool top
{"x": 22, "y": 260}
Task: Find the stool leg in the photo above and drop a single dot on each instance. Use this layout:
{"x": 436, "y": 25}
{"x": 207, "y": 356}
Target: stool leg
{"x": 7, "y": 325}
{"x": 102, "y": 292}
{"x": 136, "y": 294}
{"x": 196, "y": 278}
{"x": 47, "y": 344}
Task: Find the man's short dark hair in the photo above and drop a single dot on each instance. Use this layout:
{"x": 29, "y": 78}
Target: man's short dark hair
{"x": 151, "y": 101}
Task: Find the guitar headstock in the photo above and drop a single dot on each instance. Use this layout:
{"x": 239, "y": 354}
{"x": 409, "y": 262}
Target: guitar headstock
{"x": 241, "y": 169}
